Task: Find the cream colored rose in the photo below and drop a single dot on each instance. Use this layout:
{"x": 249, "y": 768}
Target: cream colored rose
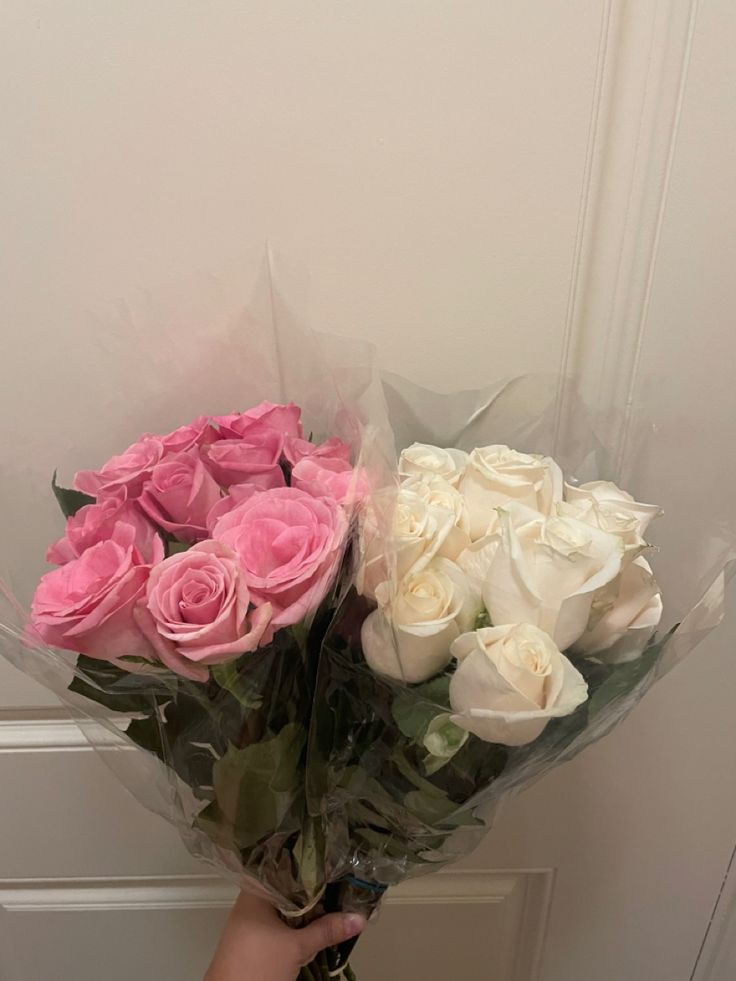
{"x": 510, "y": 681}
{"x": 618, "y": 506}
{"x": 475, "y": 560}
{"x": 400, "y": 532}
{"x": 546, "y": 572}
{"x": 421, "y": 458}
{"x": 439, "y": 493}
{"x": 608, "y": 517}
{"x": 408, "y": 637}
{"x": 496, "y": 475}
{"x": 624, "y": 616}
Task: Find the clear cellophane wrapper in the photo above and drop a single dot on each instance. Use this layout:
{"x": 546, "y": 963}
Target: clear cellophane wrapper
{"x": 291, "y": 771}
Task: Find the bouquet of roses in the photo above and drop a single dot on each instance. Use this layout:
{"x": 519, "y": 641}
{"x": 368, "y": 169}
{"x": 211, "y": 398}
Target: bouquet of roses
{"x": 335, "y": 669}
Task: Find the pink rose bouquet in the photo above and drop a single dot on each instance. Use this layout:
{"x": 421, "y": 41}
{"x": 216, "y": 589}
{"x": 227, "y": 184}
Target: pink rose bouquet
{"x": 200, "y": 544}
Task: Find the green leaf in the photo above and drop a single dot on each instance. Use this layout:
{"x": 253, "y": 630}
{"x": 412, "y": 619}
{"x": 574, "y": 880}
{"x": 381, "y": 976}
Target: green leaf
{"x": 70, "y": 501}
{"x": 410, "y": 774}
{"x": 428, "y": 802}
{"x": 436, "y": 690}
{"x": 413, "y": 716}
{"x": 147, "y": 734}
{"x": 257, "y": 786}
{"x": 430, "y": 809}
{"x": 432, "y": 764}
{"x": 623, "y": 678}
{"x": 309, "y": 855}
{"x": 415, "y": 708}
{"x": 391, "y": 846}
{"x": 216, "y": 826}
{"x": 427, "y": 723}
{"x": 117, "y": 689}
{"x": 174, "y": 548}
{"x": 246, "y": 690}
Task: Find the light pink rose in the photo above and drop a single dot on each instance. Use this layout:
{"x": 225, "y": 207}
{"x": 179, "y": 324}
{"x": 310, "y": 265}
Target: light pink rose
{"x": 195, "y": 611}
{"x": 285, "y": 419}
{"x": 197, "y": 433}
{"x": 130, "y": 469}
{"x": 330, "y": 478}
{"x": 180, "y": 494}
{"x": 99, "y": 522}
{"x": 235, "y": 496}
{"x": 87, "y": 604}
{"x": 289, "y": 545}
{"x": 296, "y": 449}
{"x": 254, "y": 459}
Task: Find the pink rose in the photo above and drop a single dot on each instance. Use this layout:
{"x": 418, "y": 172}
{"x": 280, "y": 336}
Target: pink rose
{"x": 254, "y": 459}
{"x": 330, "y": 478}
{"x": 195, "y": 611}
{"x": 296, "y": 449}
{"x": 289, "y": 545}
{"x": 130, "y": 469}
{"x": 87, "y": 604}
{"x": 285, "y": 419}
{"x": 235, "y": 496}
{"x": 100, "y": 522}
{"x": 197, "y": 433}
{"x": 179, "y": 495}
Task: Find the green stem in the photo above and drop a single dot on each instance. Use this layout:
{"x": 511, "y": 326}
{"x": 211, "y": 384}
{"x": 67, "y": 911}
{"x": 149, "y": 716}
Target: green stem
{"x": 319, "y": 971}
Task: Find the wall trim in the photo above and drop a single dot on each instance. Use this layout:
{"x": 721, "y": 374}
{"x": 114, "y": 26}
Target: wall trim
{"x": 53, "y": 731}
{"x": 643, "y": 59}
{"x": 172, "y": 892}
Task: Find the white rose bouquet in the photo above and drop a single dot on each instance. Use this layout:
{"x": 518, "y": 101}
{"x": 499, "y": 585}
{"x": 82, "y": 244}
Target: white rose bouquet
{"x": 503, "y": 579}
{"x": 331, "y": 661}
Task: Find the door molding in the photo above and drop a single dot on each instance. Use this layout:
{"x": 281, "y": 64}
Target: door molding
{"x": 103, "y": 894}
{"x": 52, "y": 730}
{"x": 642, "y": 66}
{"x": 717, "y": 956}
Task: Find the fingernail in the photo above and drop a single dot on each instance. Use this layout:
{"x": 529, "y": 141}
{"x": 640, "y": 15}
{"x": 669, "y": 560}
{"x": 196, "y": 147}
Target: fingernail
{"x": 354, "y": 924}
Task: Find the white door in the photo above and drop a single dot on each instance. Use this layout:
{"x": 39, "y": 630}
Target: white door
{"x": 482, "y": 188}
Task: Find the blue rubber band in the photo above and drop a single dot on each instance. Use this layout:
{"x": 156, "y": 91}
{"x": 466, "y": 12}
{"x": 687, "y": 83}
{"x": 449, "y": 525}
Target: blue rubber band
{"x": 372, "y": 886}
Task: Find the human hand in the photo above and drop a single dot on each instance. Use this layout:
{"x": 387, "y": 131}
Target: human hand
{"x": 256, "y": 945}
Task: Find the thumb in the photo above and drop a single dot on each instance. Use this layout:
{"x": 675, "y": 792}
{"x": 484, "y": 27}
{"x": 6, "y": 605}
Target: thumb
{"x": 328, "y": 931}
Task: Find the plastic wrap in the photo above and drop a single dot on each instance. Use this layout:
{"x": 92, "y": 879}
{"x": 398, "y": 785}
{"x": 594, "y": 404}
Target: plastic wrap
{"x": 297, "y": 769}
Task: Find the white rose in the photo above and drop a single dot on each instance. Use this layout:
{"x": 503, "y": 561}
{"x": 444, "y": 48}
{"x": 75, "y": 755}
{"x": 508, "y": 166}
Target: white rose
{"x": 510, "y": 682}
{"x": 497, "y": 475}
{"x": 613, "y": 501}
{"x": 408, "y": 637}
{"x": 421, "y": 458}
{"x": 547, "y": 573}
{"x": 625, "y": 615}
{"x": 440, "y": 493}
{"x": 476, "y": 559}
{"x": 608, "y": 517}
{"x": 399, "y": 533}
